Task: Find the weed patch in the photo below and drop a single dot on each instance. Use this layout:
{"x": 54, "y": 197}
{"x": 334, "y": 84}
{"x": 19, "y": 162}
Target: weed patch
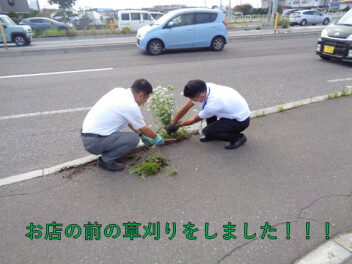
{"x": 153, "y": 165}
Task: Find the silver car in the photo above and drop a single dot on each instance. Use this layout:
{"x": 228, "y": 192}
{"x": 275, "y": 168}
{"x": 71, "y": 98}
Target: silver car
{"x": 44, "y": 23}
{"x": 312, "y": 17}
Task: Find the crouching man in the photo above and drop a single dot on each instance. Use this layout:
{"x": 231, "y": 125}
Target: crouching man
{"x": 226, "y": 112}
{"x": 114, "y": 111}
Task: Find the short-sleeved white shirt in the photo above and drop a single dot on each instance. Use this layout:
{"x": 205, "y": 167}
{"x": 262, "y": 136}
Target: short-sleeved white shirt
{"x": 224, "y": 102}
{"x": 113, "y": 112}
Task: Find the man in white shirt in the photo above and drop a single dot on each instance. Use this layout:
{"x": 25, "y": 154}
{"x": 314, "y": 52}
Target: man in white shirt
{"x": 216, "y": 102}
{"x": 113, "y": 112}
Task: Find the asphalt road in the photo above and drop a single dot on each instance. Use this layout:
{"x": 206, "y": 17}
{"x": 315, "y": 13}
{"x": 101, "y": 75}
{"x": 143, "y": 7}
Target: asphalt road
{"x": 295, "y": 168}
{"x": 265, "y": 72}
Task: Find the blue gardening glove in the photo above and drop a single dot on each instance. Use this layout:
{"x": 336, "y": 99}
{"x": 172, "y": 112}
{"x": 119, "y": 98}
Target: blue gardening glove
{"x": 158, "y": 140}
{"x": 147, "y": 141}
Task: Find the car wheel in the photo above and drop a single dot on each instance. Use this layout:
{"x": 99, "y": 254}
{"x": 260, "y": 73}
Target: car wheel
{"x": 326, "y": 21}
{"x": 292, "y": 24}
{"x": 324, "y": 57}
{"x": 218, "y": 43}
{"x": 155, "y": 47}
{"x": 303, "y": 22}
{"x": 19, "y": 40}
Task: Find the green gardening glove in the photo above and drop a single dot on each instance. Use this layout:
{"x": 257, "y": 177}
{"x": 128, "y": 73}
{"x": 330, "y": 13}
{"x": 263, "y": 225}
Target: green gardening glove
{"x": 147, "y": 141}
{"x": 158, "y": 140}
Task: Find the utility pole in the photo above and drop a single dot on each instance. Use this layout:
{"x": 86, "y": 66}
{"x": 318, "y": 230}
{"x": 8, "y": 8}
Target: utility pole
{"x": 228, "y": 12}
{"x": 273, "y": 4}
{"x": 38, "y": 5}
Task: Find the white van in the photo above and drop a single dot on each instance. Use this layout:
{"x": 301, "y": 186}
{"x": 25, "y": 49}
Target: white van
{"x": 134, "y": 19}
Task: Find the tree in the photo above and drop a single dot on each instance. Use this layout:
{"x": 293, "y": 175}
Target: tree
{"x": 346, "y": 9}
{"x": 63, "y": 4}
{"x": 245, "y": 9}
{"x": 32, "y": 13}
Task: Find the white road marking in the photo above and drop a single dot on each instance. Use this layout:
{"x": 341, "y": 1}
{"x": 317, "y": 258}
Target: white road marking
{"x": 54, "y": 73}
{"x": 45, "y": 113}
{"x": 340, "y": 80}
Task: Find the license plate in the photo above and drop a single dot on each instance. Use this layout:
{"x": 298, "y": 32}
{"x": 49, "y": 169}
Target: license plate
{"x": 329, "y": 49}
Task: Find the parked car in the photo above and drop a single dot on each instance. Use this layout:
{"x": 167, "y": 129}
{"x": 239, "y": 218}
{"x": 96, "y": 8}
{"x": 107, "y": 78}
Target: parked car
{"x": 88, "y": 19}
{"x": 156, "y": 15}
{"x": 20, "y": 35}
{"x": 336, "y": 40}
{"x": 288, "y": 12}
{"x": 134, "y": 19}
{"x": 44, "y": 23}
{"x": 305, "y": 17}
{"x": 184, "y": 28}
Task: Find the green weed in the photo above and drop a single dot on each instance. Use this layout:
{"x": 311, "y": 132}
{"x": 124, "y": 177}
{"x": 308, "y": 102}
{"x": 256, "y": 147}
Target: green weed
{"x": 151, "y": 166}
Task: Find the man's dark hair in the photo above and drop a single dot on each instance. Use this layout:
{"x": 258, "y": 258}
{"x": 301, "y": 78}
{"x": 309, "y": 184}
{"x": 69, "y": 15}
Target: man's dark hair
{"x": 142, "y": 85}
{"x": 193, "y": 88}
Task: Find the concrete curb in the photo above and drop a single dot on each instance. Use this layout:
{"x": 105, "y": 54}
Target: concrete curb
{"x": 335, "y": 251}
{"x": 46, "y": 171}
{"x": 85, "y": 160}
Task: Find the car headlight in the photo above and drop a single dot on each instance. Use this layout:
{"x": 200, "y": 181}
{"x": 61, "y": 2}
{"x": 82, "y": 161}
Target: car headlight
{"x": 324, "y": 33}
{"x": 349, "y": 37}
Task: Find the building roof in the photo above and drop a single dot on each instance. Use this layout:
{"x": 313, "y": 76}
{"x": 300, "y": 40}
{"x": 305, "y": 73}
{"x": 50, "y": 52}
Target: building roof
{"x": 18, "y": 6}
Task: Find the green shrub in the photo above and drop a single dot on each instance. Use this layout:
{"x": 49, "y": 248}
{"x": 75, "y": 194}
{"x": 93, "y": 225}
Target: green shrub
{"x": 72, "y": 32}
{"x": 152, "y": 165}
{"x": 92, "y": 31}
{"x": 285, "y": 23}
{"x": 53, "y": 32}
{"x": 126, "y": 30}
{"x": 14, "y": 17}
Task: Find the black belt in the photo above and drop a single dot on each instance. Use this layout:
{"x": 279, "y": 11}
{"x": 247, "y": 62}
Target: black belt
{"x": 90, "y": 135}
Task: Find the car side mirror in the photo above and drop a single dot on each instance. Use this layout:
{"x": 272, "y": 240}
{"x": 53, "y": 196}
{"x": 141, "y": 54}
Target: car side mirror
{"x": 171, "y": 24}
{"x": 4, "y": 26}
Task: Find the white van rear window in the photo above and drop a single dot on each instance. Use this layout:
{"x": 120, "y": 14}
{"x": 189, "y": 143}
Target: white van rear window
{"x": 125, "y": 16}
{"x": 146, "y": 17}
{"x": 135, "y": 16}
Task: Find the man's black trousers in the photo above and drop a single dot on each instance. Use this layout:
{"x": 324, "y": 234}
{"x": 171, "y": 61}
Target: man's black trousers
{"x": 224, "y": 129}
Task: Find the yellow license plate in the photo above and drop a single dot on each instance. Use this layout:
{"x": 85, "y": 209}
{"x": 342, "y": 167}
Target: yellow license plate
{"x": 329, "y": 49}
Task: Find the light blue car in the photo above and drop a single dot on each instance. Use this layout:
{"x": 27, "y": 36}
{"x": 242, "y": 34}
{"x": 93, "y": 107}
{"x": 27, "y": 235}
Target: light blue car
{"x": 184, "y": 29}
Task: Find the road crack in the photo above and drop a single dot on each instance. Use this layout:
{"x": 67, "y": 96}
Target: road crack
{"x": 299, "y": 217}
{"x": 30, "y": 193}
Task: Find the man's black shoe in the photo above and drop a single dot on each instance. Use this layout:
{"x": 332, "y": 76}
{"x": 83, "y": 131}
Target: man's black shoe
{"x": 204, "y": 139}
{"x": 110, "y": 167}
{"x": 237, "y": 143}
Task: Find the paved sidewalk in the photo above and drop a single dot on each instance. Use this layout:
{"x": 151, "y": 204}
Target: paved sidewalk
{"x": 295, "y": 168}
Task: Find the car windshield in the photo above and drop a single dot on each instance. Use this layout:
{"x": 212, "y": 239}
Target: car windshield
{"x": 346, "y": 19}
{"x": 8, "y": 21}
{"x": 164, "y": 18}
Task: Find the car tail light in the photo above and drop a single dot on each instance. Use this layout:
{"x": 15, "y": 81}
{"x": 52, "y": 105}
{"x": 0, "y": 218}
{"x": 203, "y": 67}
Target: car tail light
{"x": 225, "y": 25}
{"x": 298, "y": 15}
